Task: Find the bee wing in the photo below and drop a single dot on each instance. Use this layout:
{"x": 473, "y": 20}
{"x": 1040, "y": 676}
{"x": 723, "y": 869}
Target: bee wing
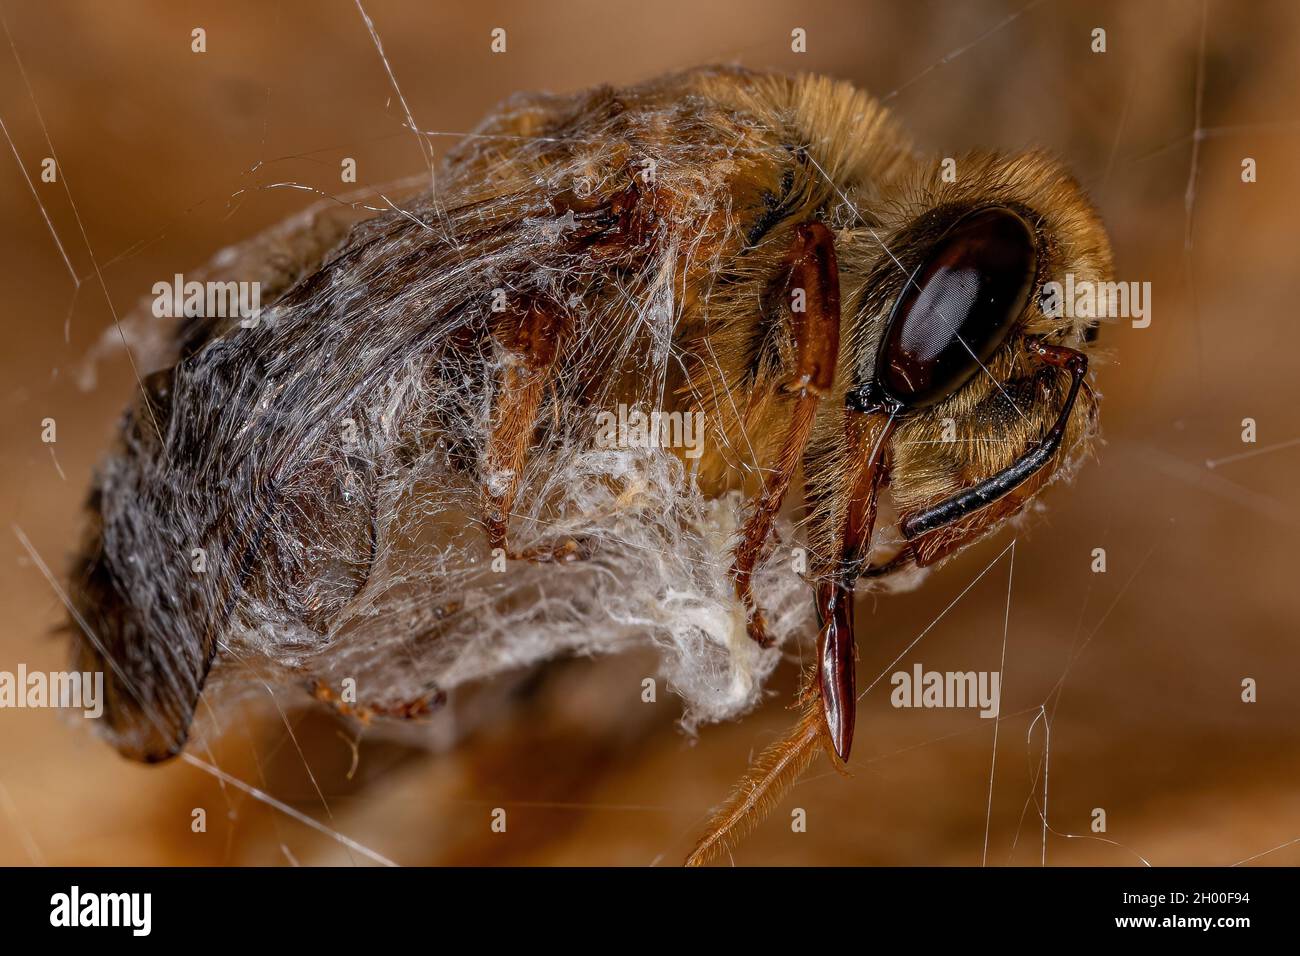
{"x": 279, "y": 258}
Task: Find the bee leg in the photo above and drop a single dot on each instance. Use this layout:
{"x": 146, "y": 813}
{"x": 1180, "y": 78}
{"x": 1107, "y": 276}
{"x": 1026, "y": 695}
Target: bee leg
{"x": 413, "y": 709}
{"x": 532, "y": 340}
{"x": 759, "y": 524}
{"x": 814, "y": 284}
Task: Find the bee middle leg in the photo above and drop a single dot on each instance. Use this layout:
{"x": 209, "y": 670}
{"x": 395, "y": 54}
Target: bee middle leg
{"x": 533, "y": 339}
{"x": 415, "y": 708}
{"x": 814, "y": 284}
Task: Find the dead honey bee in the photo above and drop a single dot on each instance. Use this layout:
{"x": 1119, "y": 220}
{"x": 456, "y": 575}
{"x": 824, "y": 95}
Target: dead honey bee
{"x": 767, "y": 252}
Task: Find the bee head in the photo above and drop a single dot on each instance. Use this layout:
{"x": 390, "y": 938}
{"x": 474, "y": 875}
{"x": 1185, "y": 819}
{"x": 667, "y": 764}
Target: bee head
{"x": 956, "y": 306}
{"x": 961, "y": 268}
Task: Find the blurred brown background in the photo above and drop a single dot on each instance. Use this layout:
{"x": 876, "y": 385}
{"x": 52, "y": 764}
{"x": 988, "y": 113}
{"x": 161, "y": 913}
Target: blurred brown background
{"x": 168, "y": 155}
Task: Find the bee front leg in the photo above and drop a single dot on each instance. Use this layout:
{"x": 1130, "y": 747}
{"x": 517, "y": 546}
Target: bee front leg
{"x": 813, "y": 294}
{"x": 532, "y": 339}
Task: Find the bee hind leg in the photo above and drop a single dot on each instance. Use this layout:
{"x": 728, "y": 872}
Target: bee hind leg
{"x": 813, "y": 293}
{"x": 532, "y": 339}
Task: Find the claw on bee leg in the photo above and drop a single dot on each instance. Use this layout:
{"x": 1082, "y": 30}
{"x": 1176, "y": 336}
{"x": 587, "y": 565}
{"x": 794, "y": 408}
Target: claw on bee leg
{"x": 566, "y": 552}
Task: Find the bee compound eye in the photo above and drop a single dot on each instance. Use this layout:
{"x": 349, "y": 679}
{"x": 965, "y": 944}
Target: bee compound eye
{"x": 958, "y": 307}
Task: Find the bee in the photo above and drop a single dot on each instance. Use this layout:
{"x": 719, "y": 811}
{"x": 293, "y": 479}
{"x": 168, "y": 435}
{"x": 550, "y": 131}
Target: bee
{"x": 766, "y": 251}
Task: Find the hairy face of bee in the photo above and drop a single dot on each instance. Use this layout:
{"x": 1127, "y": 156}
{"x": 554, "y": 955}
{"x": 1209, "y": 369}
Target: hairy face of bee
{"x": 946, "y": 324}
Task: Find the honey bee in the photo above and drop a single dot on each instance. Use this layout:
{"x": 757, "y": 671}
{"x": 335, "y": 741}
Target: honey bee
{"x": 766, "y": 251}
